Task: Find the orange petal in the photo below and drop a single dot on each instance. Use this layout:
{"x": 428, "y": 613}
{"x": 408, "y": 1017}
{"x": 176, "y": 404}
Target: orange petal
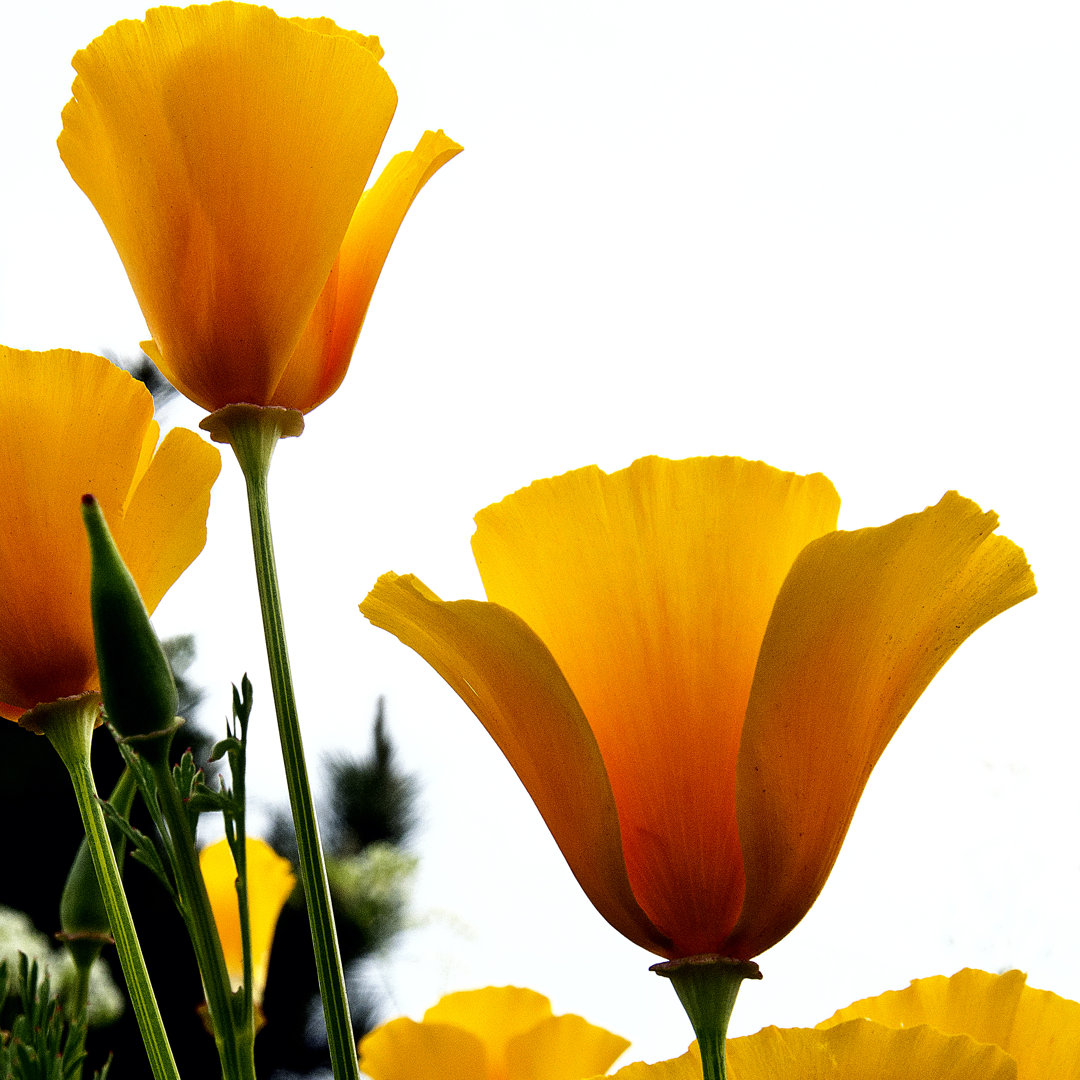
{"x": 861, "y": 1050}
{"x": 1039, "y": 1029}
{"x": 503, "y": 672}
{"x": 863, "y": 623}
{"x": 562, "y": 1048}
{"x": 322, "y": 357}
{"x": 164, "y": 526}
{"x": 225, "y": 150}
{"x": 406, "y": 1050}
{"x": 652, "y": 588}
{"x": 75, "y": 424}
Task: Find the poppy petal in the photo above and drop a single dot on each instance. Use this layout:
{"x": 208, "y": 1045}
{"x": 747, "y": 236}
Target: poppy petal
{"x": 494, "y": 1014}
{"x": 506, "y": 675}
{"x": 164, "y": 527}
{"x": 652, "y": 588}
{"x": 322, "y": 357}
{"x": 1037, "y": 1028}
{"x": 861, "y": 1050}
{"x": 863, "y": 623}
{"x": 406, "y": 1050}
{"x": 216, "y": 139}
{"x": 90, "y": 424}
{"x": 562, "y": 1048}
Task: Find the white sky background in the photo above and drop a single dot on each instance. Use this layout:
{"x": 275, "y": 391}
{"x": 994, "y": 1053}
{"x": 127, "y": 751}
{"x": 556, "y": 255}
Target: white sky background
{"x": 839, "y": 237}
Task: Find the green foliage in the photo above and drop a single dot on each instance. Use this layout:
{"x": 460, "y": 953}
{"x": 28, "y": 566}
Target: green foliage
{"x": 40, "y": 1044}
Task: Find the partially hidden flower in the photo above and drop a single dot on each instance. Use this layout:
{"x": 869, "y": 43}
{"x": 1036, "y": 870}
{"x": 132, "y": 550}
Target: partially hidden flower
{"x": 972, "y": 1026}
{"x": 227, "y": 151}
{"x": 270, "y": 882}
{"x": 1037, "y": 1028}
{"x": 693, "y": 673}
{"x": 499, "y": 1033}
{"x": 74, "y": 424}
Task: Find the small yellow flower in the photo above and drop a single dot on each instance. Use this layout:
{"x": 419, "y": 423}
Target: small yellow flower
{"x": 973, "y": 1026}
{"x": 270, "y": 883}
{"x": 74, "y": 424}
{"x": 693, "y": 673}
{"x": 227, "y": 150}
{"x": 499, "y": 1033}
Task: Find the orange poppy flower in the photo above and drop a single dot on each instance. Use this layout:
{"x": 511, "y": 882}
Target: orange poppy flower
{"x": 693, "y": 673}
{"x": 75, "y": 424}
{"x": 226, "y": 150}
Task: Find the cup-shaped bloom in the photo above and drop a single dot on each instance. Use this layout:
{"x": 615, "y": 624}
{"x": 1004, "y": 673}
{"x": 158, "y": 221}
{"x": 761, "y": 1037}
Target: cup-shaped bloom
{"x": 973, "y": 1026}
{"x": 74, "y": 424}
{"x": 270, "y": 882}
{"x": 693, "y": 673}
{"x": 227, "y": 150}
{"x": 499, "y": 1033}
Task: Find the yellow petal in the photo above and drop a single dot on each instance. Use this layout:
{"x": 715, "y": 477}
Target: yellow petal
{"x": 270, "y": 883}
{"x": 322, "y": 357}
{"x": 74, "y": 424}
{"x": 686, "y": 1067}
{"x": 562, "y": 1048}
{"x": 406, "y": 1050}
{"x": 652, "y": 588}
{"x": 225, "y": 150}
{"x": 1039, "y": 1029}
{"x": 503, "y": 672}
{"x": 863, "y": 623}
{"x": 164, "y": 527}
{"x": 494, "y": 1014}
{"x": 861, "y": 1050}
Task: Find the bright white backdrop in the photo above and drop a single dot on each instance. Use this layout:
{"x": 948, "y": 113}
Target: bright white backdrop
{"x": 839, "y": 237}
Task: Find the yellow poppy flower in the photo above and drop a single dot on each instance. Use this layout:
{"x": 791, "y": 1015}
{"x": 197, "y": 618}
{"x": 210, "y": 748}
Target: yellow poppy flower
{"x": 1037, "y": 1028}
{"x": 693, "y": 673}
{"x": 857, "y": 1050}
{"x": 226, "y": 150}
{"x": 270, "y": 883}
{"x": 973, "y": 1026}
{"x": 500, "y": 1033}
{"x": 74, "y": 424}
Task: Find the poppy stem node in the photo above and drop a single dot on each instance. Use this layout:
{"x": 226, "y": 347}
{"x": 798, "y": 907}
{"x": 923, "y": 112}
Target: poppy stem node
{"x": 707, "y": 986}
{"x": 253, "y": 430}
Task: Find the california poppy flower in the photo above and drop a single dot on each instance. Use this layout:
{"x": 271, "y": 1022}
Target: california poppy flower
{"x": 270, "y": 883}
{"x": 693, "y": 673}
{"x": 74, "y": 424}
{"x": 972, "y": 1026}
{"x": 227, "y": 150}
{"x": 498, "y": 1033}
{"x": 1038, "y": 1029}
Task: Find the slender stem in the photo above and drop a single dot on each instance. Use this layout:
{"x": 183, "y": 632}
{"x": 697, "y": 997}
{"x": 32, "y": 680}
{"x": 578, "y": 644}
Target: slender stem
{"x": 69, "y": 731}
{"x": 235, "y": 1043}
{"x": 707, "y": 986}
{"x": 253, "y": 433}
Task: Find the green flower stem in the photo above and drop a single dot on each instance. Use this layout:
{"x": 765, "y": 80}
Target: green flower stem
{"x": 707, "y": 986}
{"x": 253, "y": 432}
{"x": 69, "y": 725}
{"x": 235, "y": 1042}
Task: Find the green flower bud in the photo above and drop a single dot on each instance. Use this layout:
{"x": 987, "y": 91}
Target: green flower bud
{"x": 137, "y": 684}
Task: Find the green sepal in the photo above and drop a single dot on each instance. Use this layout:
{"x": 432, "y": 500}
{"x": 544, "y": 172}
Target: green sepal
{"x": 137, "y": 684}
